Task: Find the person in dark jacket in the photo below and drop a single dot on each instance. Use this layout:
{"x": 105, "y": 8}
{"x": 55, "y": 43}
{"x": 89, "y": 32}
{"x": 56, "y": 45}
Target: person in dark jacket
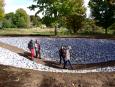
{"x": 31, "y": 46}
{"x": 37, "y": 49}
{"x": 62, "y": 54}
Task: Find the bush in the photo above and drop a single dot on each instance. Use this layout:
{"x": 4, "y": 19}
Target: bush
{"x": 112, "y": 27}
{"x": 74, "y": 23}
{"x": 7, "y": 23}
{"x": 64, "y": 31}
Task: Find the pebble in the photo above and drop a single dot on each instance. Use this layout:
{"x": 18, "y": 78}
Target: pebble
{"x": 83, "y": 51}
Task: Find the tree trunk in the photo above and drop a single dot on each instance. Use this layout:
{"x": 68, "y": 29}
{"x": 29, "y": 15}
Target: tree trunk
{"x": 106, "y": 32}
{"x": 0, "y": 24}
{"x": 55, "y": 30}
{"x": 74, "y": 29}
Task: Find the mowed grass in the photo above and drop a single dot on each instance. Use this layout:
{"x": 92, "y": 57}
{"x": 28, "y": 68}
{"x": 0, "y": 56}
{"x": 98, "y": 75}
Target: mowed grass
{"x": 62, "y": 32}
{"x": 29, "y": 31}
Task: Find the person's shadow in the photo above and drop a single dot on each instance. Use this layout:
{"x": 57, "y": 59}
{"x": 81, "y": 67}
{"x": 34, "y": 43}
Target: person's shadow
{"x": 53, "y": 64}
{"x": 26, "y": 55}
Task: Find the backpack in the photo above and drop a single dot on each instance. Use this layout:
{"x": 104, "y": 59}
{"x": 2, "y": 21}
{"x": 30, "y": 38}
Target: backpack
{"x": 30, "y": 45}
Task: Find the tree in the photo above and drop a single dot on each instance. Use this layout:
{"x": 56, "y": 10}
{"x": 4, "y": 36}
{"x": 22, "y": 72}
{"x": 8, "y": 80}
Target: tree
{"x": 9, "y": 17}
{"x": 103, "y": 12}
{"x": 21, "y": 18}
{"x": 35, "y": 20}
{"x": 1, "y": 11}
{"x": 7, "y": 23}
{"x": 56, "y": 9}
{"x": 74, "y": 22}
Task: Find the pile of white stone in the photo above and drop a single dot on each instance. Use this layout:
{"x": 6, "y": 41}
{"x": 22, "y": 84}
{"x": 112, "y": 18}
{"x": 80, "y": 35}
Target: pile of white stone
{"x": 84, "y": 51}
{"x": 12, "y": 59}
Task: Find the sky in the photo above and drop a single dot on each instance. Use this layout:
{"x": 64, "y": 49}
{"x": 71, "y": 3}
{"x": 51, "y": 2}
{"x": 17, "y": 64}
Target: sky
{"x": 13, "y": 5}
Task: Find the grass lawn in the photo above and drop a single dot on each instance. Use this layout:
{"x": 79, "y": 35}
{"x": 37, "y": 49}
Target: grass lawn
{"x": 50, "y": 32}
{"x": 29, "y": 31}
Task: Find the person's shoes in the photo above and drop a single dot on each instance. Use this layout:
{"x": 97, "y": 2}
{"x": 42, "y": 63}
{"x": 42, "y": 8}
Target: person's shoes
{"x": 64, "y": 68}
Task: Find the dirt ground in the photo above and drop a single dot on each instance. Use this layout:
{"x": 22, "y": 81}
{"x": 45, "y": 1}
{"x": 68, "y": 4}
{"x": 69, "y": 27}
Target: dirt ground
{"x": 15, "y": 77}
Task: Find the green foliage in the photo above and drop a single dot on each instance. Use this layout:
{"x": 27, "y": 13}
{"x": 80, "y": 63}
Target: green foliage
{"x": 74, "y": 23}
{"x": 48, "y": 21}
{"x": 89, "y": 25}
{"x": 35, "y": 20}
{"x": 1, "y": 9}
{"x": 20, "y": 23}
{"x": 63, "y": 31}
{"x": 10, "y": 17}
{"x": 21, "y": 18}
{"x": 112, "y": 27}
{"x": 103, "y": 12}
{"x": 6, "y": 23}
{"x": 54, "y": 10}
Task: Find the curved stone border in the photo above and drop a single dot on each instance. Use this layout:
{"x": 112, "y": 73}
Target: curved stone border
{"x": 12, "y": 59}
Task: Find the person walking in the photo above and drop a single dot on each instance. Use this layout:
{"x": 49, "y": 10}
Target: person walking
{"x": 67, "y": 58}
{"x": 62, "y": 54}
{"x": 37, "y": 49}
{"x": 31, "y": 46}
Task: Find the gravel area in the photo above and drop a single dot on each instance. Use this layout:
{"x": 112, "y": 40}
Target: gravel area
{"x": 84, "y": 51}
{"x": 12, "y": 59}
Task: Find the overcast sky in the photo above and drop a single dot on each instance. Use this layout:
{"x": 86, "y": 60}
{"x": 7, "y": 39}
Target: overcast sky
{"x": 13, "y": 5}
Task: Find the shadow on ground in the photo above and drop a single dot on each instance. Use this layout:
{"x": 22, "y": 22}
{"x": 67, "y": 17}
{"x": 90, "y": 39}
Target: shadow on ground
{"x": 26, "y": 55}
{"x": 55, "y": 64}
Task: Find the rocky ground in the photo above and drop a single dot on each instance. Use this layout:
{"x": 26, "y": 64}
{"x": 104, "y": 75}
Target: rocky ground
{"x": 17, "y": 57}
{"x": 100, "y": 74}
{"x": 84, "y": 51}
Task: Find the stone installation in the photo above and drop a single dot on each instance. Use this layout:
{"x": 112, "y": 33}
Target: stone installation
{"x": 84, "y": 51}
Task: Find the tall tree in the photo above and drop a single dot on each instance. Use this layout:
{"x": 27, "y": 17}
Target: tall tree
{"x": 56, "y": 9}
{"x": 103, "y": 12}
{"x": 1, "y": 11}
{"x": 21, "y": 18}
{"x": 35, "y": 20}
{"x": 9, "y": 17}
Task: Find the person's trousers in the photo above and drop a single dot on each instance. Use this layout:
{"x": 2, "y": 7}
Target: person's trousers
{"x": 38, "y": 53}
{"x": 60, "y": 59}
{"x": 32, "y": 53}
{"x": 65, "y": 63}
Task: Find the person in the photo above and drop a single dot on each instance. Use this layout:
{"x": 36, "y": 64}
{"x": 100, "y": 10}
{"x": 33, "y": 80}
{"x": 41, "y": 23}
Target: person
{"x": 37, "y": 49}
{"x": 31, "y": 48}
{"x": 67, "y": 57}
{"x": 61, "y": 54}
